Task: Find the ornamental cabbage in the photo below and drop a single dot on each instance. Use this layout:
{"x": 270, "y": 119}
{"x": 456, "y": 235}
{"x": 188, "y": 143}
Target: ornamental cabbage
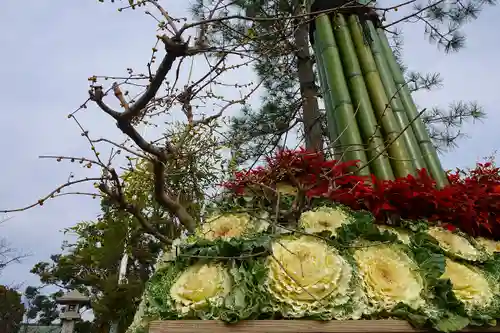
{"x": 229, "y": 226}
{"x": 489, "y": 245}
{"x": 455, "y": 244}
{"x": 200, "y": 285}
{"x": 324, "y": 219}
{"x": 307, "y": 277}
{"x": 402, "y": 235}
{"x": 469, "y": 285}
{"x": 389, "y": 277}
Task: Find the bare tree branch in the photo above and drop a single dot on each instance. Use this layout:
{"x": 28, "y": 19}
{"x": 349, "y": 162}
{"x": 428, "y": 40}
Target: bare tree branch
{"x": 167, "y": 201}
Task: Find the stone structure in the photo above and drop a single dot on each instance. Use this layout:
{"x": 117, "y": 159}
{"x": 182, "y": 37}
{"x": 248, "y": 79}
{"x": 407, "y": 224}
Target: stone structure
{"x": 72, "y": 302}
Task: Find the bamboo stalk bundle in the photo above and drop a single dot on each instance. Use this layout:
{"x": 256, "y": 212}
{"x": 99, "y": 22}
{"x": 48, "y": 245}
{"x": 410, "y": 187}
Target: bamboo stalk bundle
{"x": 363, "y": 83}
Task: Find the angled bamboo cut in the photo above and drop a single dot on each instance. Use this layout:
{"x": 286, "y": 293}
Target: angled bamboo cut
{"x": 363, "y": 82}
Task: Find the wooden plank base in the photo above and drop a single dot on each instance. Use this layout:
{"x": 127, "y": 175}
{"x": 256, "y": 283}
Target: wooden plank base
{"x": 293, "y": 326}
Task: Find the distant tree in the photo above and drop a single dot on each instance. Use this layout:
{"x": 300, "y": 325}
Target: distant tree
{"x": 11, "y": 310}
{"x": 41, "y": 308}
{"x": 8, "y": 255}
{"x": 91, "y": 265}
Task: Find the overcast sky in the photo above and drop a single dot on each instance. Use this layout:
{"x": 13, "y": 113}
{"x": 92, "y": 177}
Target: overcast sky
{"x": 50, "y": 47}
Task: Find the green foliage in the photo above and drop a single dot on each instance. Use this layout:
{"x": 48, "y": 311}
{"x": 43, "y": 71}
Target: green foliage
{"x": 429, "y": 256}
{"x": 443, "y": 22}
{"x": 91, "y": 265}
{"x": 11, "y": 310}
{"x": 362, "y": 227}
{"x": 444, "y": 124}
{"x": 224, "y": 250}
{"x": 191, "y": 175}
{"x": 41, "y": 308}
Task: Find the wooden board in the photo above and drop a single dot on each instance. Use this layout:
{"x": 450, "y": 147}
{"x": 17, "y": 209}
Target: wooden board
{"x": 292, "y": 326}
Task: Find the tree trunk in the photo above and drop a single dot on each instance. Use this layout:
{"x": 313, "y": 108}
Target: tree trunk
{"x": 309, "y": 91}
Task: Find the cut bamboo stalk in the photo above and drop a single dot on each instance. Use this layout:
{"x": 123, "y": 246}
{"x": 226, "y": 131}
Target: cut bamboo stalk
{"x": 343, "y": 111}
{"x": 428, "y": 150}
{"x": 367, "y": 123}
{"x": 394, "y": 99}
{"x": 326, "y": 94}
{"x": 400, "y": 160}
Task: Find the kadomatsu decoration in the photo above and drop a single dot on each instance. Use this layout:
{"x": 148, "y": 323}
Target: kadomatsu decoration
{"x": 384, "y": 233}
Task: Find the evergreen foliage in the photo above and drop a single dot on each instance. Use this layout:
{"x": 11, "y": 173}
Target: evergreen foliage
{"x": 11, "y": 310}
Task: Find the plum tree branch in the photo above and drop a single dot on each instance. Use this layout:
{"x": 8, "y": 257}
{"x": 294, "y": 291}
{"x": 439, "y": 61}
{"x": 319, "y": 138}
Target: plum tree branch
{"x": 133, "y": 210}
{"x": 41, "y": 201}
{"x": 412, "y": 14}
{"x": 167, "y": 201}
{"x": 175, "y": 48}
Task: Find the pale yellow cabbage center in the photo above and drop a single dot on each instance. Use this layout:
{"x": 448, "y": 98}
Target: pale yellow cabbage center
{"x": 307, "y": 270}
{"x": 323, "y": 219}
{"x": 454, "y": 243}
{"x": 199, "y": 284}
{"x": 226, "y": 226}
{"x": 469, "y": 285}
{"x": 389, "y": 276}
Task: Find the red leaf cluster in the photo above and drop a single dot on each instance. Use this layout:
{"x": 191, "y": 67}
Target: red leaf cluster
{"x": 470, "y": 202}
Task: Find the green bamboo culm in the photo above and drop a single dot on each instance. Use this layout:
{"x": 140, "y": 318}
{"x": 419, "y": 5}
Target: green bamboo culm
{"x": 367, "y": 123}
{"x": 326, "y": 94}
{"x": 394, "y": 99}
{"x": 401, "y": 162}
{"x": 343, "y": 110}
{"x": 422, "y": 136}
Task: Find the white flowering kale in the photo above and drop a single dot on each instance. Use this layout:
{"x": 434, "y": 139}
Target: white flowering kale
{"x": 307, "y": 277}
{"x": 324, "y": 219}
{"x": 390, "y": 277}
{"x": 457, "y": 245}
